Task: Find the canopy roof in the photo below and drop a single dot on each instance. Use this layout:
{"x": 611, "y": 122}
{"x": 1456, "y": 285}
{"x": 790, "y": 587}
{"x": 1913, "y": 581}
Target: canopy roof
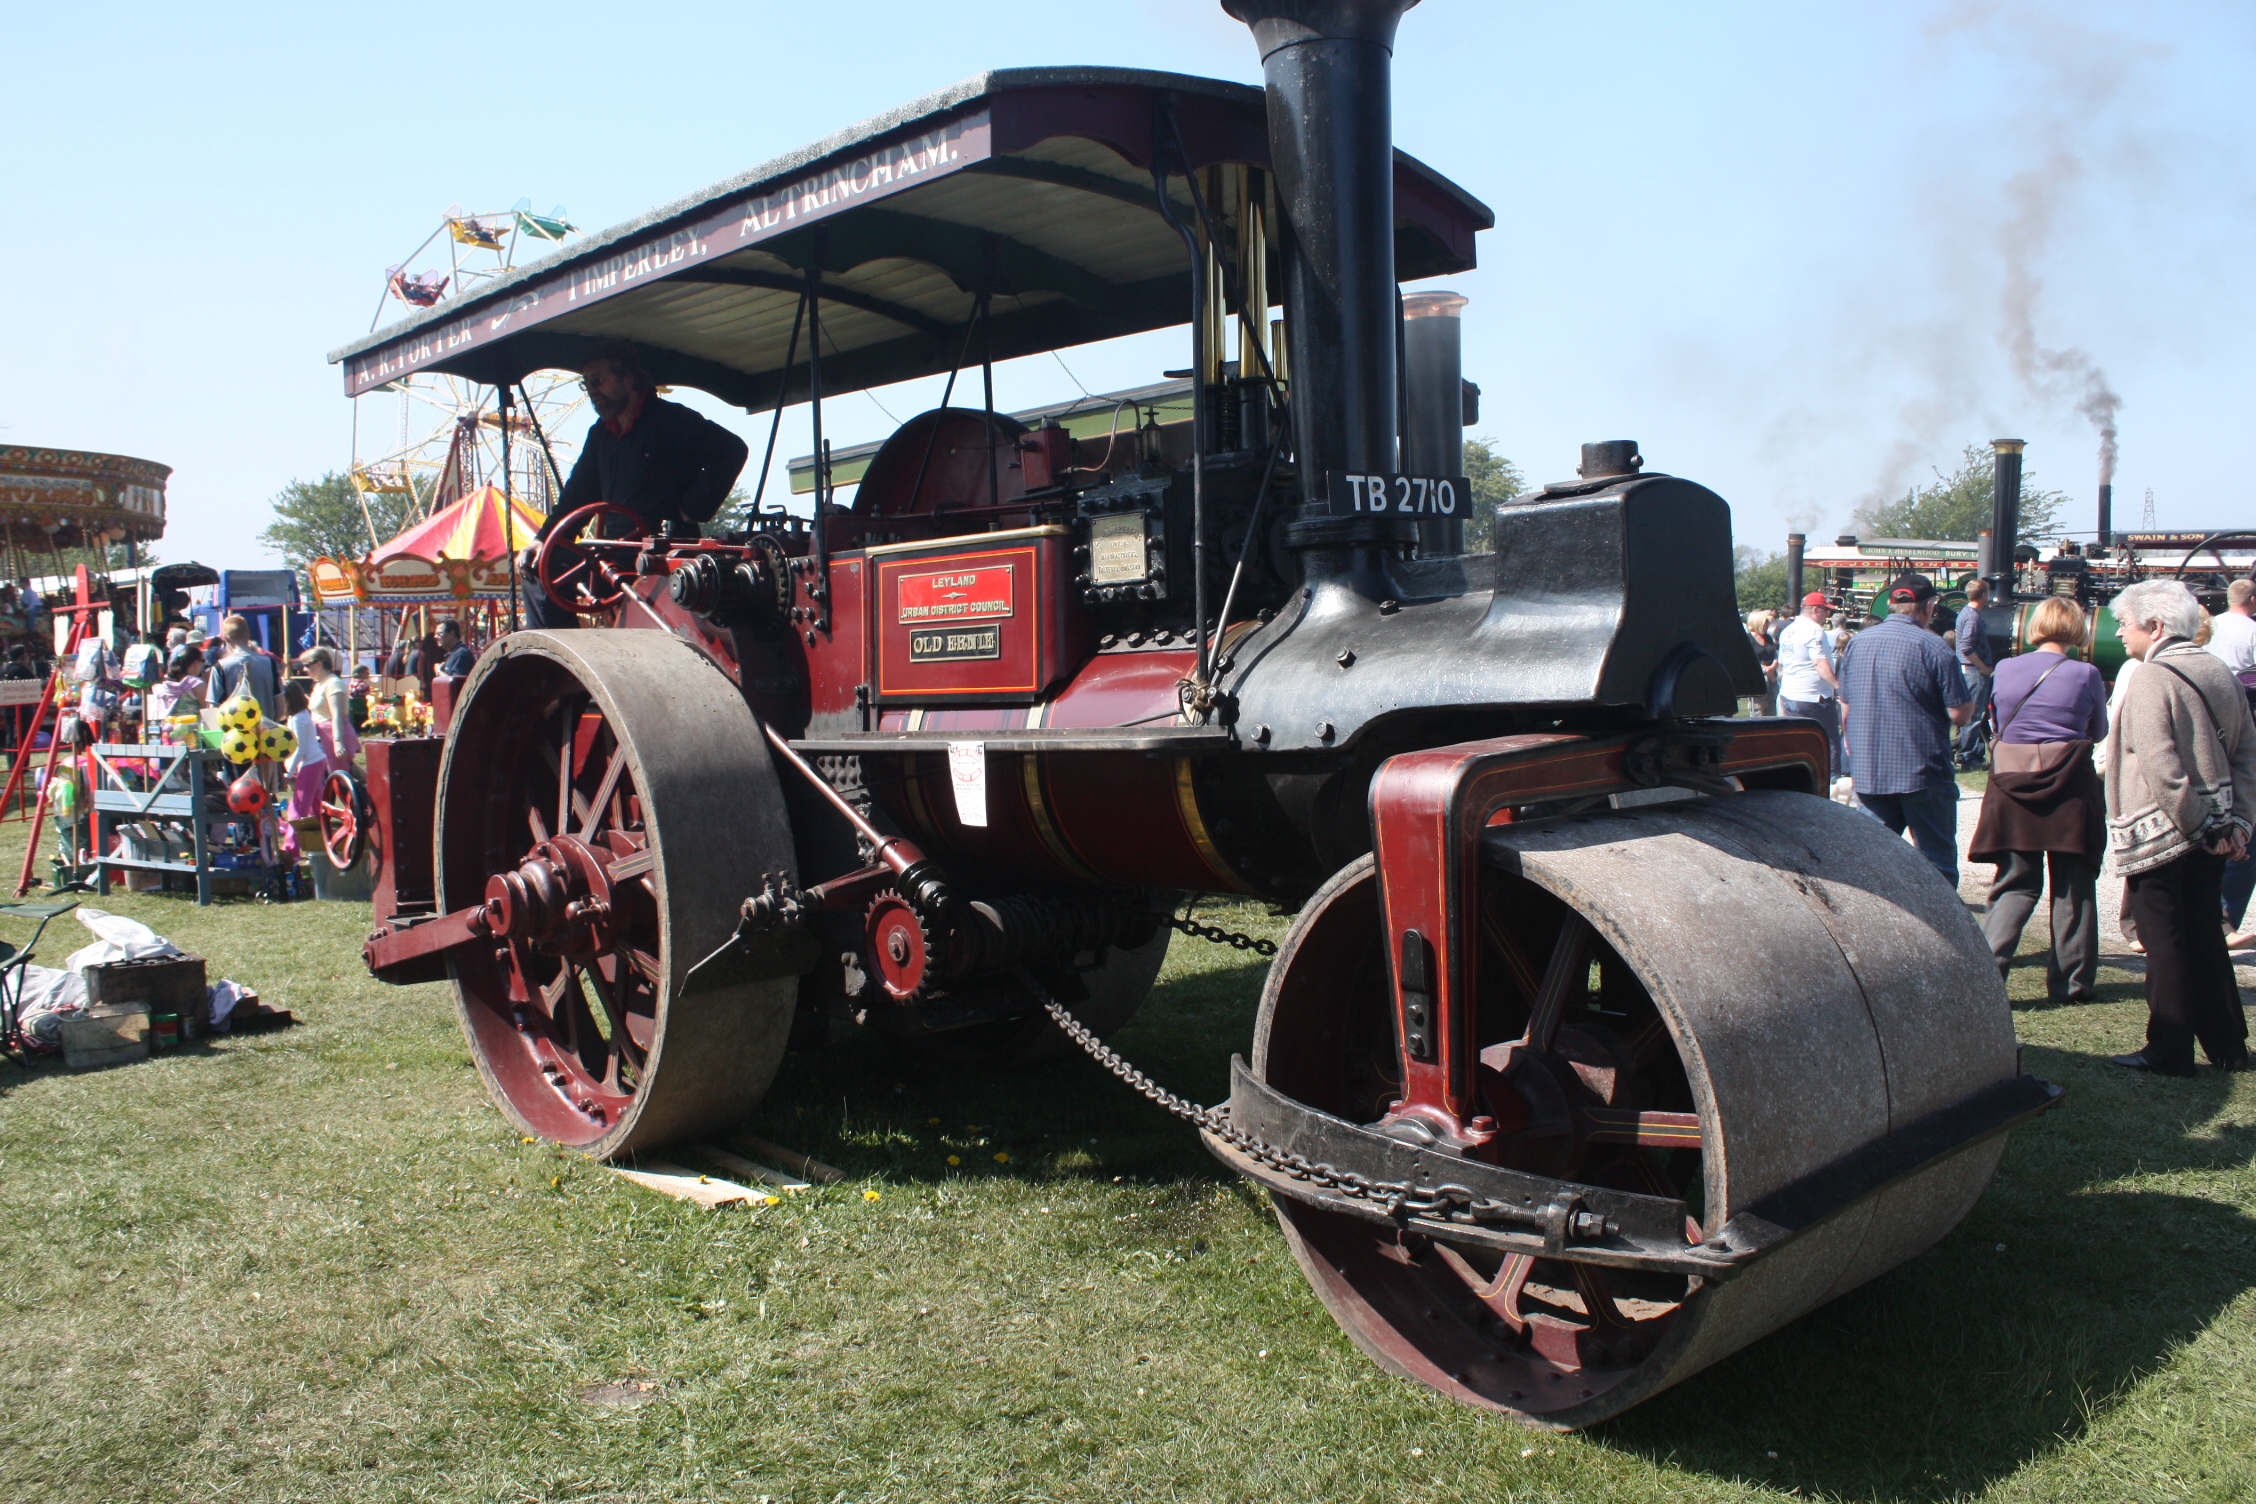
{"x": 67, "y": 498}
{"x": 1033, "y": 184}
{"x": 476, "y": 527}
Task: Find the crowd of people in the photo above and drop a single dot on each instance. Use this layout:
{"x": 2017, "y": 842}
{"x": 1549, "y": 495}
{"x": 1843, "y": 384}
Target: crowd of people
{"x": 2156, "y": 780}
{"x": 127, "y": 696}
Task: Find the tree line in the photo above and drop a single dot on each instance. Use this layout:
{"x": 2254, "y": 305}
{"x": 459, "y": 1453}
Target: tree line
{"x": 1951, "y": 508}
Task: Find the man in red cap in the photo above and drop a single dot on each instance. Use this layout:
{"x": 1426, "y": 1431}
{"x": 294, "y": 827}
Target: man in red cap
{"x": 1901, "y": 693}
{"x": 1807, "y": 683}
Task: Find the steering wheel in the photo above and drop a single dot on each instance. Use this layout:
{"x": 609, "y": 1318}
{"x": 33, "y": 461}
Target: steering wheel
{"x": 575, "y": 576}
{"x": 344, "y": 818}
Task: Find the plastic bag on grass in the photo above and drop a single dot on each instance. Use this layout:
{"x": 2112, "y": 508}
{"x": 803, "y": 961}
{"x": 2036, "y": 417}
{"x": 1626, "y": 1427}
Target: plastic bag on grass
{"x": 117, "y": 938}
{"x": 49, "y": 996}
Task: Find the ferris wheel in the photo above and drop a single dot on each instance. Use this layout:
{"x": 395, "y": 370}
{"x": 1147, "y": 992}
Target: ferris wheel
{"x": 426, "y": 440}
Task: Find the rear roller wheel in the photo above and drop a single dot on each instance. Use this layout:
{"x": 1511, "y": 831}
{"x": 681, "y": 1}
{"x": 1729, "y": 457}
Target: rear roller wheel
{"x": 610, "y": 796}
{"x": 1704, "y": 1000}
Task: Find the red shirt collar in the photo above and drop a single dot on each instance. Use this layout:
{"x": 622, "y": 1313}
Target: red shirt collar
{"x": 626, "y": 420}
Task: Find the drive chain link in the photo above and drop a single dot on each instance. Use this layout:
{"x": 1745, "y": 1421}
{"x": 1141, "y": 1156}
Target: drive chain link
{"x": 1399, "y": 1198}
{"x": 1188, "y": 926}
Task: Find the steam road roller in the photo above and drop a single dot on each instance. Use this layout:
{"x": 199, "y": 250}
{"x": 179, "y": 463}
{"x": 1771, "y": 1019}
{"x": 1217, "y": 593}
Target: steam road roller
{"x": 1602, "y": 1043}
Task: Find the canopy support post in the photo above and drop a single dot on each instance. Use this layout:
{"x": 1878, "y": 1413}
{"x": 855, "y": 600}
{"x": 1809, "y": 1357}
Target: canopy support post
{"x": 947, "y": 394}
{"x": 532, "y": 416}
{"x": 508, "y": 506}
{"x": 822, "y": 455}
{"x": 783, "y": 389}
{"x": 1165, "y": 143}
{"x": 987, "y": 377}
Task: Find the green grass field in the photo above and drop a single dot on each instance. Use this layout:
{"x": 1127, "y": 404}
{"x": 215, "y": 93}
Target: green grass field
{"x": 317, "y": 1265}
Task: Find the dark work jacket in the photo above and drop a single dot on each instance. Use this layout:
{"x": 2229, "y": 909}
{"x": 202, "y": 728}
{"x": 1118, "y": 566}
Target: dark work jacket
{"x": 674, "y": 465}
{"x": 2061, "y": 809}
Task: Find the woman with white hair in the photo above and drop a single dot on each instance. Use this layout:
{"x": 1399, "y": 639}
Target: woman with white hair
{"x": 2181, "y": 788}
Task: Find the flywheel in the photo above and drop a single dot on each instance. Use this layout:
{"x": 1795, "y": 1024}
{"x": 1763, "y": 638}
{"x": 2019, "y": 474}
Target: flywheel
{"x": 610, "y": 796}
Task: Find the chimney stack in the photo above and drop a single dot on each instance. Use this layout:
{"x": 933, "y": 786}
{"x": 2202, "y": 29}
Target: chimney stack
{"x": 1433, "y": 401}
{"x": 1331, "y": 143}
{"x": 2005, "y": 516}
{"x": 1795, "y": 543}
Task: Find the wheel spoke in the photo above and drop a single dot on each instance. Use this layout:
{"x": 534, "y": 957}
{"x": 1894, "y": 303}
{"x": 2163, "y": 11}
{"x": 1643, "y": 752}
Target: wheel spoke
{"x": 1567, "y": 976}
{"x": 622, "y": 1041}
{"x": 1647, "y": 1042}
{"x": 1653, "y": 1130}
{"x": 1598, "y": 1298}
{"x": 1502, "y": 1294}
{"x": 1515, "y": 959}
{"x": 604, "y": 792}
{"x": 644, "y": 963}
{"x": 563, "y": 766}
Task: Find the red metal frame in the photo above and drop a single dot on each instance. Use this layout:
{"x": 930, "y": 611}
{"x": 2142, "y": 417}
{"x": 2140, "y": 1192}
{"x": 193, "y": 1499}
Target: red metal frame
{"x": 1428, "y": 810}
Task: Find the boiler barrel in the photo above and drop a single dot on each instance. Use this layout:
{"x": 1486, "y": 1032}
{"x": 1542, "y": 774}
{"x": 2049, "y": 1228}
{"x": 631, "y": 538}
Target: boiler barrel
{"x": 2105, "y": 651}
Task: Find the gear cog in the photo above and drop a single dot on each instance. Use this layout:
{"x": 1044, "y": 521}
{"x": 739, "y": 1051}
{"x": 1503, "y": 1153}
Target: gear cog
{"x": 900, "y": 946}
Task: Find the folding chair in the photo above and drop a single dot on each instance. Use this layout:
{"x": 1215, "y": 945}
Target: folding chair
{"x": 12, "y": 964}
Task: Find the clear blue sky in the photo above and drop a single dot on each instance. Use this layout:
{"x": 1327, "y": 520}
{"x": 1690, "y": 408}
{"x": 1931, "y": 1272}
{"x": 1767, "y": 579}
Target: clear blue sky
{"x": 1774, "y": 243}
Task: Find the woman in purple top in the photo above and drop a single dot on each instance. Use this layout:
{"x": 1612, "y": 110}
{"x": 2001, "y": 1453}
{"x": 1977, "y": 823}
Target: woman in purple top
{"x": 2045, "y": 805}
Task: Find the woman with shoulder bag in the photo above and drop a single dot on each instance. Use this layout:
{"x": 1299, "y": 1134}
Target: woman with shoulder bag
{"x": 2181, "y": 785}
{"x": 2045, "y": 804}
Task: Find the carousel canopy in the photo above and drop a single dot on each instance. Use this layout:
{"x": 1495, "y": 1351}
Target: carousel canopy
{"x": 69, "y": 498}
{"x": 459, "y": 553}
{"x": 1030, "y": 186}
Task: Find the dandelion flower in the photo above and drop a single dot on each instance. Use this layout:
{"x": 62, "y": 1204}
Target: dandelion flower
{"x": 1003, "y": 1158}
{"x": 869, "y": 1195}
{"x": 955, "y": 1159}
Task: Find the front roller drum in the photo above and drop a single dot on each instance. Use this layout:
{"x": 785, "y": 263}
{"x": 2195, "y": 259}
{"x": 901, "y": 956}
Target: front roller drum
{"x": 1756, "y": 986}
{"x": 609, "y": 797}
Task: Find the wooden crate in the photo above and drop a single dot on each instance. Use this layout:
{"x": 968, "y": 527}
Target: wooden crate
{"x": 116, "y": 1034}
{"x": 163, "y": 984}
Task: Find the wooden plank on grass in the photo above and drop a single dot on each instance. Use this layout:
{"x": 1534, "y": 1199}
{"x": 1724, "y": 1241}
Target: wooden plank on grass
{"x": 737, "y": 1164}
{"x": 685, "y": 1184}
{"x": 790, "y": 1159}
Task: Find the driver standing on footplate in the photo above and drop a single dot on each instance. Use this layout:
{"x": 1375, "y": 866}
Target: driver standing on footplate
{"x": 655, "y": 458}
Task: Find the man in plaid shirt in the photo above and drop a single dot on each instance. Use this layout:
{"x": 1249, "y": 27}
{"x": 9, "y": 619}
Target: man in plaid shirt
{"x": 1901, "y": 693}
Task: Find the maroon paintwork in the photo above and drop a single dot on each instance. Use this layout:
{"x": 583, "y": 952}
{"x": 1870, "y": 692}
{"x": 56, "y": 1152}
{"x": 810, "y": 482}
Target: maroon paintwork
{"x": 1427, "y": 813}
{"x": 403, "y": 784}
{"x": 993, "y": 622}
